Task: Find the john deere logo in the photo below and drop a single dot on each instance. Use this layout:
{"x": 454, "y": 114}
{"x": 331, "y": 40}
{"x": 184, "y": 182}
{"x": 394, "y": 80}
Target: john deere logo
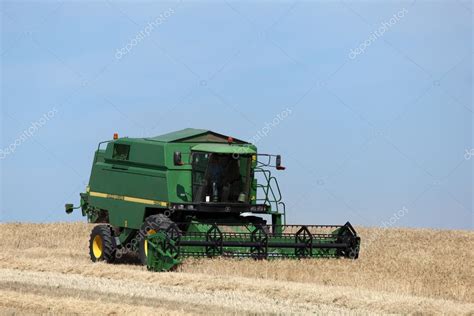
{"x": 115, "y": 197}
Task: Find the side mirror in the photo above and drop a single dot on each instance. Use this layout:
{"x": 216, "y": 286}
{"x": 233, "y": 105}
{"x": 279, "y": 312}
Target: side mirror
{"x": 69, "y": 208}
{"x": 178, "y": 161}
{"x": 278, "y": 163}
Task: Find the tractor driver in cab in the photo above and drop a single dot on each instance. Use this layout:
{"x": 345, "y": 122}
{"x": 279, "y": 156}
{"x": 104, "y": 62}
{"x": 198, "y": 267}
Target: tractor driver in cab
{"x": 232, "y": 188}
{"x": 224, "y": 178}
{"x": 215, "y": 172}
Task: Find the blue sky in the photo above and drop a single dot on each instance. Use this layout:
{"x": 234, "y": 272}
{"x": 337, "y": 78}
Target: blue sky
{"x": 370, "y": 134}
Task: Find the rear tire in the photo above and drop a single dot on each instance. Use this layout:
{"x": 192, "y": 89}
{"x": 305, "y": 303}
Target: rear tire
{"x": 102, "y": 244}
{"x": 152, "y": 225}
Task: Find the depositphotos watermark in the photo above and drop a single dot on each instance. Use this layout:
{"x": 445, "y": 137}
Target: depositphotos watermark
{"x": 27, "y": 134}
{"x": 263, "y": 132}
{"x": 384, "y": 27}
{"x": 140, "y": 36}
{"x": 469, "y": 154}
{"x": 395, "y": 218}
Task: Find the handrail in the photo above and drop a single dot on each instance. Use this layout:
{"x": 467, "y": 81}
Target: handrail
{"x": 272, "y": 193}
{"x": 98, "y": 149}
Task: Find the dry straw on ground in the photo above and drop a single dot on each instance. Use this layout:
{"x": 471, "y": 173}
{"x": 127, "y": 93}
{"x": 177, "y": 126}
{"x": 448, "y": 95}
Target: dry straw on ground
{"x": 44, "y": 268}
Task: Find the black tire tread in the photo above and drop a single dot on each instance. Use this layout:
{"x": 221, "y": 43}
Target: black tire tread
{"x": 158, "y": 222}
{"x": 108, "y": 242}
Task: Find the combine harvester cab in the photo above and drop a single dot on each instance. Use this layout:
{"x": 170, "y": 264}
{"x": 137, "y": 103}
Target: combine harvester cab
{"x": 196, "y": 193}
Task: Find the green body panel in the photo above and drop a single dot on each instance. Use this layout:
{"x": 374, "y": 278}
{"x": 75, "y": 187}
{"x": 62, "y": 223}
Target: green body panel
{"x": 121, "y": 213}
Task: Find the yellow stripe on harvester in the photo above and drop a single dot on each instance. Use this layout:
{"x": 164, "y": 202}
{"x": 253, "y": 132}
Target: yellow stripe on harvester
{"x": 128, "y": 199}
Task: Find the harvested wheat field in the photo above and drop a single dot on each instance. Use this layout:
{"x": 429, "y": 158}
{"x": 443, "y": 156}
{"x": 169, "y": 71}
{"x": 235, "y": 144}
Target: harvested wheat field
{"x": 45, "y": 268}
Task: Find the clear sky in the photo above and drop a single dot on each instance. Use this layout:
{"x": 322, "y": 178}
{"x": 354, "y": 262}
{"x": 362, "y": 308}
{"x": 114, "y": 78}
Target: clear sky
{"x": 370, "y": 104}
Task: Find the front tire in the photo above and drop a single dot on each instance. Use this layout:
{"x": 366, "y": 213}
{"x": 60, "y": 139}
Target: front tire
{"x": 102, "y": 244}
{"x": 152, "y": 225}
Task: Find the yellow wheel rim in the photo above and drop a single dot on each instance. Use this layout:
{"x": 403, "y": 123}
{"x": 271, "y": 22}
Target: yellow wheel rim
{"x": 97, "y": 246}
{"x": 145, "y": 244}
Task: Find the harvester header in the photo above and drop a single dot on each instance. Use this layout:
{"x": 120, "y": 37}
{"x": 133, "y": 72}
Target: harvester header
{"x": 196, "y": 193}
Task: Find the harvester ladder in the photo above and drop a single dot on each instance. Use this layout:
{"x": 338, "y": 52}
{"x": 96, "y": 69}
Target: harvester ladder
{"x": 271, "y": 193}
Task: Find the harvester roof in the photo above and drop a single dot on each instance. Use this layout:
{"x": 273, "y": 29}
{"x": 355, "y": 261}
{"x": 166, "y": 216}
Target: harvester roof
{"x": 224, "y": 149}
{"x": 193, "y": 135}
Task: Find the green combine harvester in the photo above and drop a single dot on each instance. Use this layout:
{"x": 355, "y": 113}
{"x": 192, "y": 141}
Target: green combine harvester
{"x": 196, "y": 193}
